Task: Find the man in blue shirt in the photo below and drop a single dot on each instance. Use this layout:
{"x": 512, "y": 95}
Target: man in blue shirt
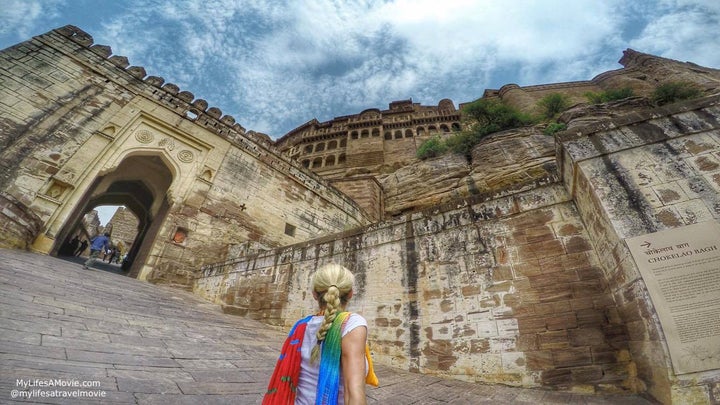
{"x": 97, "y": 244}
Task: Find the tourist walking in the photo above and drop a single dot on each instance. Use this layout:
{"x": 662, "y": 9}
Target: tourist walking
{"x": 98, "y": 244}
{"x": 333, "y": 363}
{"x": 82, "y": 247}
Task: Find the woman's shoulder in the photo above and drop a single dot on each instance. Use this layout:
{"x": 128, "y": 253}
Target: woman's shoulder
{"x": 353, "y": 321}
{"x": 356, "y": 317}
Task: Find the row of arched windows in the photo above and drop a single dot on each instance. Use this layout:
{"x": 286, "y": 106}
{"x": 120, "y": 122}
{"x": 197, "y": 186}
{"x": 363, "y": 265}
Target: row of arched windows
{"x": 319, "y": 147}
{"x": 365, "y": 133}
{"x": 324, "y": 162}
{"x": 420, "y": 131}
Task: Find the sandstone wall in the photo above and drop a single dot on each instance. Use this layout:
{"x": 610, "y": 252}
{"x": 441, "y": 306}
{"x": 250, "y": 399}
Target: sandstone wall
{"x": 20, "y": 226}
{"x": 77, "y": 120}
{"x": 504, "y": 162}
{"x": 124, "y": 228}
{"x": 372, "y": 142}
{"x": 507, "y": 290}
{"x": 367, "y": 192}
{"x": 642, "y": 73}
{"x": 645, "y": 173}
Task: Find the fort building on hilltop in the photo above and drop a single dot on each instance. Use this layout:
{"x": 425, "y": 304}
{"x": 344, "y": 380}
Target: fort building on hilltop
{"x": 509, "y": 265}
{"x": 373, "y": 137}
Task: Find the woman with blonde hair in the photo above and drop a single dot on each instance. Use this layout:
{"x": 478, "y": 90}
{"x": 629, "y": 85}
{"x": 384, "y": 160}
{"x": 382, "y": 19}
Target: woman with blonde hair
{"x": 325, "y": 359}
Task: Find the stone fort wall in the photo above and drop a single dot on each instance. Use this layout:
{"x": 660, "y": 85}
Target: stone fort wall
{"x": 81, "y": 128}
{"x": 505, "y": 290}
{"x": 536, "y": 288}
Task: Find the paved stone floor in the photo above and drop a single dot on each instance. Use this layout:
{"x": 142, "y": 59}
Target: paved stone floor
{"x": 140, "y": 343}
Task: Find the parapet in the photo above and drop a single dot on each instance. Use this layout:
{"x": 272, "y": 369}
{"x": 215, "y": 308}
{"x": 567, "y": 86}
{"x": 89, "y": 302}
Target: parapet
{"x": 195, "y": 107}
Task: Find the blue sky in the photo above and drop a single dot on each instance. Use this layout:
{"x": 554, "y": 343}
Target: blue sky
{"x": 274, "y": 65}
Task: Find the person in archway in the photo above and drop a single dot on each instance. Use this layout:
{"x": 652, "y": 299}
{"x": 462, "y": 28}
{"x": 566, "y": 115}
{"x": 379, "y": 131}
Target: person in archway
{"x": 113, "y": 254}
{"x": 98, "y": 244}
{"x": 68, "y": 246}
{"x": 82, "y": 247}
{"x": 325, "y": 356}
{"x": 74, "y": 243}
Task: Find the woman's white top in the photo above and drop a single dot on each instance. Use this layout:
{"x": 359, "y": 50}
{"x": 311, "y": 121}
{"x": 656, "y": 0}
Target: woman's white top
{"x": 309, "y": 374}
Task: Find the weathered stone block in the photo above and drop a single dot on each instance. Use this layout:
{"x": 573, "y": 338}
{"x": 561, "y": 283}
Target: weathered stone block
{"x": 572, "y": 356}
{"x": 556, "y": 377}
{"x": 553, "y": 340}
{"x": 561, "y": 322}
{"x": 531, "y": 325}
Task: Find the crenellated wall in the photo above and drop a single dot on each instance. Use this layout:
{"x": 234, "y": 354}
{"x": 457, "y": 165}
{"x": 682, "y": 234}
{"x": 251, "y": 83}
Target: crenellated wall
{"x": 642, "y": 73}
{"x": 81, "y": 128}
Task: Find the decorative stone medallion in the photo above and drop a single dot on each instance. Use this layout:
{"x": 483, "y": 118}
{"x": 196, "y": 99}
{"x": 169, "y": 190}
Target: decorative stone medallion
{"x": 185, "y": 156}
{"x": 144, "y": 136}
{"x": 168, "y": 143}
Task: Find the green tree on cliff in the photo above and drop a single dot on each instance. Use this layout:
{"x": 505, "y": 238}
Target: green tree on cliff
{"x": 486, "y": 116}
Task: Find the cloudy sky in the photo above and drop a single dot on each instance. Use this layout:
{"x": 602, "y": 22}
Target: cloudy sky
{"x": 274, "y": 65}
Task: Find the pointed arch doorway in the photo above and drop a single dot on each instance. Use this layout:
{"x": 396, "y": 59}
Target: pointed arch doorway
{"x": 140, "y": 183}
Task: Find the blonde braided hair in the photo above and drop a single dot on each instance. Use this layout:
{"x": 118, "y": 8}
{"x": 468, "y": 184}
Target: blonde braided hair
{"x": 332, "y": 283}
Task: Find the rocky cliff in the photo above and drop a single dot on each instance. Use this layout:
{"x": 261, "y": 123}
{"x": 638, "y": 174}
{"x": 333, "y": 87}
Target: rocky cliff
{"x": 503, "y": 162}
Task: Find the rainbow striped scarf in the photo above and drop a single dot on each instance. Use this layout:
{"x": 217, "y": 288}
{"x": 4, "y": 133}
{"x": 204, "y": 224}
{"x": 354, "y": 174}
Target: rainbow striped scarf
{"x": 284, "y": 381}
{"x": 329, "y": 378}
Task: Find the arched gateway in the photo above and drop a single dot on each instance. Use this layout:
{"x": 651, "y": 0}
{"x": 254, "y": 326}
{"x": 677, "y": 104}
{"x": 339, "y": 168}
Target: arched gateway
{"x": 139, "y": 183}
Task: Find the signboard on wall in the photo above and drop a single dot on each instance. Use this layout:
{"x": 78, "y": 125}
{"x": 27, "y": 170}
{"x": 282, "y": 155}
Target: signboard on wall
{"x": 681, "y": 268}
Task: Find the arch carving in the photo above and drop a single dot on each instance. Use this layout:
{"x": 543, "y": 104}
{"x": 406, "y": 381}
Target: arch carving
{"x": 144, "y": 136}
{"x": 185, "y": 156}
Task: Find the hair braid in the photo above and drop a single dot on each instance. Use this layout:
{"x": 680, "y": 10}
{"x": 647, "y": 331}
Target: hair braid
{"x": 332, "y": 283}
{"x": 332, "y": 307}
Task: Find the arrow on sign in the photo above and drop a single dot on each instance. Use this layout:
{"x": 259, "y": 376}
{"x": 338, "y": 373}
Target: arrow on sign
{"x": 646, "y": 244}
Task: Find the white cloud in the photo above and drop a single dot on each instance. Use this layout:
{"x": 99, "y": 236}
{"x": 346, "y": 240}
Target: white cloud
{"x": 19, "y": 17}
{"x": 275, "y": 65}
{"x": 687, "y": 34}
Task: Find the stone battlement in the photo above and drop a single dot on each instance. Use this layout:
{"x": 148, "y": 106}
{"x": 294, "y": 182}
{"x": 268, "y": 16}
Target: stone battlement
{"x": 185, "y": 104}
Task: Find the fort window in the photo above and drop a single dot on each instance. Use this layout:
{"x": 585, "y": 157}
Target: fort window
{"x": 180, "y": 236}
{"x": 354, "y": 135}
{"x": 289, "y": 229}
{"x": 444, "y": 128}
{"x": 306, "y": 163}
{"x": 330, "y": 161}
{"x": 343, "y": 143}
{"x": 317, "y": 163}
{"x": 408, "y": 133}
{"x": 398, "y": 134}
{"x": 432, "y": 129}
{"x": 332, "y": 145}
{"x": 388, "y": 135}
{"x": 320, "y": 147}
{"x": 420, "y": 131}
{"x": 365, "y": 133}
{"x": 375, "y": 132}
{"x": 341, "y": 159}
{"x": 308, "y": 149}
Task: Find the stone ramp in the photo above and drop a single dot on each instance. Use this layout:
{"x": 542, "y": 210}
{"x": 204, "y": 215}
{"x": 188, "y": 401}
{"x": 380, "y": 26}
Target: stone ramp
{"x": 140, "y": 343}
